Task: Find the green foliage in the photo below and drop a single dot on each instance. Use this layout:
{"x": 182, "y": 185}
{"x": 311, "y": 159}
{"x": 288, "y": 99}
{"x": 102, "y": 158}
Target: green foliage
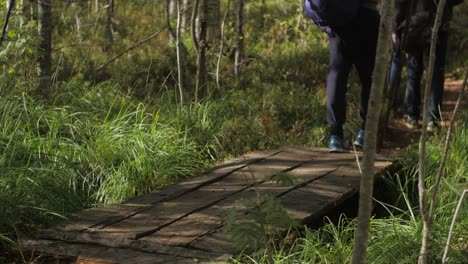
{"x": 99, "y": 147}
{"x": 253, "y": 222}
{"x": 281, "y": 178}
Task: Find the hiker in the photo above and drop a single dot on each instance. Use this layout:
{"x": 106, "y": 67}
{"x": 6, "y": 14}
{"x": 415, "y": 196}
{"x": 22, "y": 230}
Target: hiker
{"x": 412, "y": 29}
{"x": 352, "y": 42}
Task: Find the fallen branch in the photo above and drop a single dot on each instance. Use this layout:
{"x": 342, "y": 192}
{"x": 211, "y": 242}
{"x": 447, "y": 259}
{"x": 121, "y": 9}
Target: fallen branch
{"x": 129, "y": 49}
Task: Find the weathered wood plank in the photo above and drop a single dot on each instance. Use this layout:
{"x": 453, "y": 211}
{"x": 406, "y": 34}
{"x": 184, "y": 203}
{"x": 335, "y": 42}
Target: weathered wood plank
{"x": 183, "y": 232}
{"x": 92, "y": 253}
{"x": 168, "y": 212}
{"x": 124, "y": 243}
{"x": 306, "y": 201}
{"x": 102, "y": 216}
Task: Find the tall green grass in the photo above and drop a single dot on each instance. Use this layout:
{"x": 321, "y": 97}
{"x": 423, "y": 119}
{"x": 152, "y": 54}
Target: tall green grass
{"x": 74, "y": 153}
{"x": 92, "y": 145}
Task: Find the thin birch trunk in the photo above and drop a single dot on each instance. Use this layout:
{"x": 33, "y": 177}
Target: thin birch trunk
{"x": 240, "y": 38}
{"x": 78, "y": 27}
{"x": 110, "y": 20}
{"x": 179, "y": 51}
{"x": 422, "y": 259}
{"x": 186, "y": 16}
{"x": 221, "y": 48}
{"x": 372, "y": 122}
{"x": 172, "y": 8}
{"x": 172, "y": 34}
{"x": 44, "y": 65}
{"x": 199, "y": 42}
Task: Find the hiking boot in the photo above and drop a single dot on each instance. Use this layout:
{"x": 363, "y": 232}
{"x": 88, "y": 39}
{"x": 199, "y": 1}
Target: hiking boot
{"x": 411, "y": 122}
{"x": 359, "y": 140}
{"x": 432, "y": 126}
{"x": 337, "y": 145}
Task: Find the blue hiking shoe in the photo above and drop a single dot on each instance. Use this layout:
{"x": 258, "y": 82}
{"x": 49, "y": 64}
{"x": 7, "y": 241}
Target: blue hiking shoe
{"x": 432, "y": 126}
{"x": 337, "y": 145}
{"x": 411, "y": 122}
{"x": 359, "y": 141}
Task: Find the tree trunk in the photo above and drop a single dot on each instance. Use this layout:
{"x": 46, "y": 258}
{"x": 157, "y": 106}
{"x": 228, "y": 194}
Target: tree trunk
{"x": 110, "y": 20}
{"x": 9, "y": 5}
{"x": 221, "y": 44}
{"x": 44, "y": 65}
{"x": 172, "y": 8}
{"x": 240, "y": 37}
{"x": 179, "y": 51}
{"x": 422, "y": 143}
{"x": 186, "y": 15}
{"x": 263, "y": 10}
{"x": 372, "y": 121}
{"x": 199, "y": 43}
{"x": 200, "y": 84}
{"x": 172, "y": 35}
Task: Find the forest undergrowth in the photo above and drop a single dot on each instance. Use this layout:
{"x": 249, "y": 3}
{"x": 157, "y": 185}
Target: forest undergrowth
{"x": 104, "y": 135}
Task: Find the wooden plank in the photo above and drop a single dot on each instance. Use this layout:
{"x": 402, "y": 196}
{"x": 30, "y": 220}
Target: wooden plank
{"x": 122, "y": 243}
{"x": 91, "y": 253}
{"x": 168, "y": 212}
{"x": 178, "y": 190}
{"x": 105, "y": 215}
{"x": 309, "y": 201}
{"x": 183, "y": 232}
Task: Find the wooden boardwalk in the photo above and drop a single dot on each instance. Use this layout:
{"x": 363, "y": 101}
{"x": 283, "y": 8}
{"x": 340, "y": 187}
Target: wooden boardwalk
{"x": 183, "y": 223}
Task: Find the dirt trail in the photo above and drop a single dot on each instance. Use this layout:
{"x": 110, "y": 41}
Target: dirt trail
{"x": 398, "y": 136}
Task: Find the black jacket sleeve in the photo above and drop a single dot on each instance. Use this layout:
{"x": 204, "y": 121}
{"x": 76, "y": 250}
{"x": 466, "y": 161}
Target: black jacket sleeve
{"x": 401, "y": 11}
{"x": 454, "y": 2}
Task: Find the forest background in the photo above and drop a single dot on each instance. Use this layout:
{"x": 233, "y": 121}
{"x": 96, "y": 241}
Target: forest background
{"x": 128, "y": 102}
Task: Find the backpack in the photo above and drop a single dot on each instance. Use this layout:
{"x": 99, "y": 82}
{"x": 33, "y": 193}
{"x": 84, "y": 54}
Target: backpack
{"x": 417, "y": 26}
{"x": 331, "y": 14}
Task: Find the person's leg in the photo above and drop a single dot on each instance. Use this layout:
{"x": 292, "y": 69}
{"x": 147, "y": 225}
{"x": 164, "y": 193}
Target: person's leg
{"x": 337, "y": 78}
{"x": 364, "y": 51}
{"x": 413, "y": 85}
{"x": 397, "y": 65}
{"x": 438, "y": 78}
{"x": 395, "y": 76}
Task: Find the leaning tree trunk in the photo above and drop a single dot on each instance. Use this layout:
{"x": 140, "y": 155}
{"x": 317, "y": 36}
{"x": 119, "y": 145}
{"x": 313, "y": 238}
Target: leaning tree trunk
{"x": 422, "y": 143}
{"x": 372, "y": 121}
{"x": 44, "y": 65}
{"x": 240, "y": 37}
{"x": 10, "y": 5}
